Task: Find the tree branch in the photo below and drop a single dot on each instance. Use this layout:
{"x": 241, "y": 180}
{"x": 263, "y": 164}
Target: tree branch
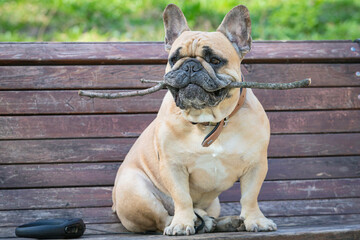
{"x": 143, "y": 92}
{"x": 161, "y": 84}
{"x": 276, "y": 86}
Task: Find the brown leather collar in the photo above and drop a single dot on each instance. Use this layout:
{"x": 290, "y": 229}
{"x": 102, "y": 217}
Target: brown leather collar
{"x": 214, "y": 134}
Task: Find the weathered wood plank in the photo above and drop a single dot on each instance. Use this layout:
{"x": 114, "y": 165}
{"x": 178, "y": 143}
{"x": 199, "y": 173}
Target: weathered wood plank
{"x": 24, "y": 127}
{"x": 311, "y": 168}
{"x": 115, "y": 149}
{"x": 102, "y": 174}
{"x": 314, "y": 51}
{"x": 128, "y": 76}
{"x": 109, "y": 231}
{"x": 68, "y": 102}
{"x": 300, "y": 189}
{"x": 309, "y": 232}
{"x": 314, "y": 145}
{"x": 330, "y": 75}
{"x": 89, "y": 215}
{"x": 46, "y": 175}
{"x": 82, "y": 53}
{"x": 288, "y": 208}
{"x": 101, "y": 215}
{"x": 76, "y": 77}
{"x": 78, "y": 126}
{"x": 120, "y": 53}
{"x": 66, "y": 150}
{"x": 51, "y": 198}
{"x": 314, "y": 122}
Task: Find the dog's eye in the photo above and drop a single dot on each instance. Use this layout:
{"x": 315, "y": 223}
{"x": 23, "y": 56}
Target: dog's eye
{"x": 173, "y": 60}
{"x": 214, "y": 61}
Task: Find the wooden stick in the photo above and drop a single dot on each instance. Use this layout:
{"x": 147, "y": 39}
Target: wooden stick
{"x": 276, "y": 86}
{"x": 161, "y": 84}
{"x": 143, "y": 92}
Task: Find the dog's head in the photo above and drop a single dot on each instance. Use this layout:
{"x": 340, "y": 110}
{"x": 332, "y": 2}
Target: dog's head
{"x": 202, "y": 64}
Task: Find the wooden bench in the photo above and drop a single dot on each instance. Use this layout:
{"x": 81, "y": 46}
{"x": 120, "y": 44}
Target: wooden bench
{"x": 59, "y": 152}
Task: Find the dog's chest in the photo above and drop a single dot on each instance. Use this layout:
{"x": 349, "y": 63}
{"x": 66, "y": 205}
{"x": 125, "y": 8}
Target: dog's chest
{"x": 215, "y": 171}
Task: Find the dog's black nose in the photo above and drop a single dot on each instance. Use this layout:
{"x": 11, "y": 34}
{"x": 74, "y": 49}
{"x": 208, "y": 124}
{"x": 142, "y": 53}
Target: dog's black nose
{"x": 191, "y": 66}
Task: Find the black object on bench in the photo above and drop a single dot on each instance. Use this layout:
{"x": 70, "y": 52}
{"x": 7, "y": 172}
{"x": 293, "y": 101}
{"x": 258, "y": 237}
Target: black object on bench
{"x": 52, "y": 228}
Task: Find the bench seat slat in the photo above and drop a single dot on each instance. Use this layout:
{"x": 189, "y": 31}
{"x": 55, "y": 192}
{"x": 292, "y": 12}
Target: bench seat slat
{"x": 323, "y": 232}
{"x": 101, "y": 216}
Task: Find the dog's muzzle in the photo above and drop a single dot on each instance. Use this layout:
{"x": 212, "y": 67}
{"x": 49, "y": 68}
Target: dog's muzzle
{"x": 192, "y": 86}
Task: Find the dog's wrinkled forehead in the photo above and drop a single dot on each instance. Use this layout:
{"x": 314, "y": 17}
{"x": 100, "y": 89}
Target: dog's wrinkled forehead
{"x": 201, "y": 44}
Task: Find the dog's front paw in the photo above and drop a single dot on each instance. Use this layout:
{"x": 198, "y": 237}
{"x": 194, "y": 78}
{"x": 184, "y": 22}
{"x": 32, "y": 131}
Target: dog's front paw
{"x": 260, "y": 224}
{"x": 179, "y": 229}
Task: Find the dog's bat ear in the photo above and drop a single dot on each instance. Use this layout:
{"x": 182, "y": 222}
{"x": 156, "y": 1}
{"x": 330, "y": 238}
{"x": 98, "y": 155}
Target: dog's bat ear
{"x": 236, "y": 26}
{"x": 174, "y": 23}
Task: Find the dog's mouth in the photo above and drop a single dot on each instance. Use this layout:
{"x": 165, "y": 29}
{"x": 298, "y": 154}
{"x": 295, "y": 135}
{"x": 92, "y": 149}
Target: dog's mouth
{"x": 195, "y": 96}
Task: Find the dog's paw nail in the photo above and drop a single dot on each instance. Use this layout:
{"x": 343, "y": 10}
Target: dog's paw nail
{"x": 188, "y": 230}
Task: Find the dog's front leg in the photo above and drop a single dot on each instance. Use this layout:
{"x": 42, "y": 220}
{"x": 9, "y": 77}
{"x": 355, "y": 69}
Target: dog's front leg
{"x": 176, "y": 179}
{"x": 251, "y": 182}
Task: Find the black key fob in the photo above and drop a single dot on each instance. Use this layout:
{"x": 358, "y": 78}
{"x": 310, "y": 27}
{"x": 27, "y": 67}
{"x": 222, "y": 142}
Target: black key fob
{"x": 52, "y": 228}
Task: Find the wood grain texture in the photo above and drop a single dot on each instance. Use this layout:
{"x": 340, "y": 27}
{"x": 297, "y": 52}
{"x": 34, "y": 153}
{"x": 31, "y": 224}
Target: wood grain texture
{"x": 66, "y": 150}
{"x": 120, "y": 53}
{"x": 68, "y": 102}
{"x": 322, "y": 75}
{"x": 49, "y": 175}
{"x": 103, "y": 174}
{"x": 50, "y": 198}
{"x": 115, "y": 149}
{"x": 79, "y": 197}
{"x": 314, "y": 145}
{"x": 74, "y": 126}
{"x": 288, "y": 208}
{"x": 84, "y": 126}
{"x": 78, "y": 77}
{"x": 314, "y": 122}
{"x": 128, "y": 76}
{"x": 300, "y": 189}
{"x": 104, "y": 215}
{"x": 109, "y": 231}
{"x": 313, "y": 168}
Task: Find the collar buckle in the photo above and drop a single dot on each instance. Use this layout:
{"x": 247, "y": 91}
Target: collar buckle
{"x": 226, "y": 120}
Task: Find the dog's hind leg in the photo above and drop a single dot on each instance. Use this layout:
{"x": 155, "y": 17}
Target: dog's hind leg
{"x": 229, "y": 224}
{"x": 139, "y": 204}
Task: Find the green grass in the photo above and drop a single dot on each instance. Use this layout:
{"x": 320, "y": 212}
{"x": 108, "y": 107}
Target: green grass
{"x": 119, "y": 20}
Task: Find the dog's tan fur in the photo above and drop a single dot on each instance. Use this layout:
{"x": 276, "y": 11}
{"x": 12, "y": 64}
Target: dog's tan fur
{"x": 168, "y": 174}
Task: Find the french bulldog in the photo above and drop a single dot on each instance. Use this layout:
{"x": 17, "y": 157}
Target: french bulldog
{"x": 205, "y": 137}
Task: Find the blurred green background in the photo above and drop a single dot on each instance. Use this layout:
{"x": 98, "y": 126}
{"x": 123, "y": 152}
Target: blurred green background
{"x": 118, "y": 20}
